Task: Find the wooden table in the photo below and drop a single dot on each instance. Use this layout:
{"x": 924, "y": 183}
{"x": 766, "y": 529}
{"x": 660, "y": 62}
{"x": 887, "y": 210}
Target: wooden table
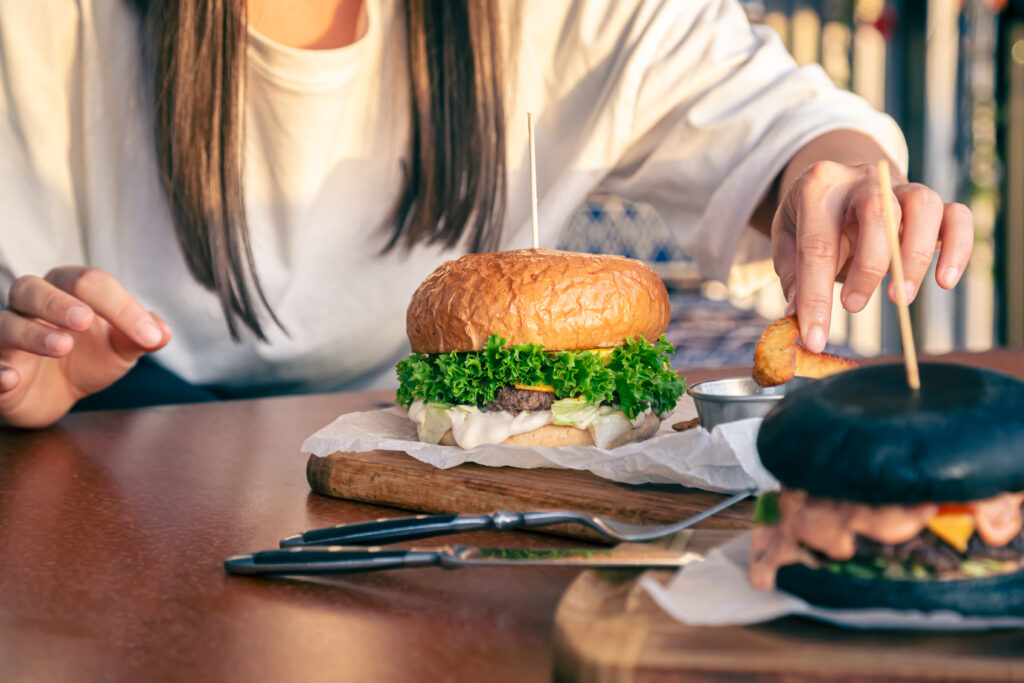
{"x": 114, "y": 527}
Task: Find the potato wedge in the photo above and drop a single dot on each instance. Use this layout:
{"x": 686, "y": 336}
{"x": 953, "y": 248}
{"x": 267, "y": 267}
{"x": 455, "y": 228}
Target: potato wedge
{"x": 775, "y": 354}
{"x": 779, "y": 356}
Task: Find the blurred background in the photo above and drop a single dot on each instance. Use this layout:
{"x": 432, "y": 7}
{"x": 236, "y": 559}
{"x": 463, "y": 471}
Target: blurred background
{"x": 951, "y": 72}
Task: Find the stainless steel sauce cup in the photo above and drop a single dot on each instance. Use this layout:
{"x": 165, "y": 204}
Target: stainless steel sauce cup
{"x": 736, "y": 398}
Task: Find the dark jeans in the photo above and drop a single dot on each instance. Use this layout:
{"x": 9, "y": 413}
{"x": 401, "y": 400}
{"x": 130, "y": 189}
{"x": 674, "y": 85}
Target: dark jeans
{"x": 147, "y": 384}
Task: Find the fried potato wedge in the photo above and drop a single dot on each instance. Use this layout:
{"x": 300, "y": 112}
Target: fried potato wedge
{"x": 775, "y": 354}
{"x": 779, "y": 356}
{"x": 820, "y": 364}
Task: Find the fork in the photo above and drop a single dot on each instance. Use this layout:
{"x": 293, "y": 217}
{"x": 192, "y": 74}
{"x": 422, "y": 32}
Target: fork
{"x": 399, "y": 529}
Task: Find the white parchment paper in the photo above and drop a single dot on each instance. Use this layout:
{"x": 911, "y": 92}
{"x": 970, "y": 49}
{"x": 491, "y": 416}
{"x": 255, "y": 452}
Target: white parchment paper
{"x": 716, "y": 592}
{"x": 722, "y": 460}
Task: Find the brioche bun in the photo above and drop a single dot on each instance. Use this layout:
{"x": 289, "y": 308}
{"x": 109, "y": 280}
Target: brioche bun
{"x": 559, "y": 299}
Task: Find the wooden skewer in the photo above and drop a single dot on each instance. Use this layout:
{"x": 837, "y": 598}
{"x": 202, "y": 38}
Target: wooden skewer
{"x": 906, "y": 332}
{"x": 533, "y": 180}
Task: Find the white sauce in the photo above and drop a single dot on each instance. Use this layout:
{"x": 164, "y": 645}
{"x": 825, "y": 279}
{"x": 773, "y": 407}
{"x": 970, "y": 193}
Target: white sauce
{"x": 472, "y": 427}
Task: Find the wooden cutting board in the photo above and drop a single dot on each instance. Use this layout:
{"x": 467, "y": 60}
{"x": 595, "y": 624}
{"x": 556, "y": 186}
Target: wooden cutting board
{"x": 397, "y": 480}
{"x": 607, "y": 628}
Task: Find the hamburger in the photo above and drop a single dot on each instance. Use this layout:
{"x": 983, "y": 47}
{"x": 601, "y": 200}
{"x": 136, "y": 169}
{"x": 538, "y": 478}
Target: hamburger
{"x": 537, "y": 347}
{"x": 893, "y": 498}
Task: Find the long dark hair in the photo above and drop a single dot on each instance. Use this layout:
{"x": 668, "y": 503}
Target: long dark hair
{"x": 455, "y": 168}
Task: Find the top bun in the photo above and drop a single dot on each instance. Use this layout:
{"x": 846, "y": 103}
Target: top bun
{"x": 562, "y": 300}
{"x": 864, "y": 436}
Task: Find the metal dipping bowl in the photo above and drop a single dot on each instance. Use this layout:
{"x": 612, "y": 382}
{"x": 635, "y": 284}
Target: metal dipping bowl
{"x": 736, "y": 398}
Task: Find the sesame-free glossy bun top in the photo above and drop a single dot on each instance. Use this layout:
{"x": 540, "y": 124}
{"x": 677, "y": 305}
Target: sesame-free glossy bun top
{"x": 864, "y": 436}
{"x": 562, "y": 300}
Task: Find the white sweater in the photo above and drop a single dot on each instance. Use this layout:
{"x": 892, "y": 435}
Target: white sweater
{"x": 675, "y": 102}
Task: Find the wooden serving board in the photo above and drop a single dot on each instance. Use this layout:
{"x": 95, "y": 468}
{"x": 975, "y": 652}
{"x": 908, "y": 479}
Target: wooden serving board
{"x": 397, "y": 480}
{"x": 607, "y": 628}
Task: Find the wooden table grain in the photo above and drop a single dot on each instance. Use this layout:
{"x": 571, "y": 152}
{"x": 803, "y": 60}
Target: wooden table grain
{"x": 114, "y": 527}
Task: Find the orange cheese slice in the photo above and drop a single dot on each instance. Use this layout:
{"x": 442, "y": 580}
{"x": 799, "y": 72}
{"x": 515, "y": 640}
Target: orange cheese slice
{"x": 954, "y": 528}
{"x": 535, "y": 387}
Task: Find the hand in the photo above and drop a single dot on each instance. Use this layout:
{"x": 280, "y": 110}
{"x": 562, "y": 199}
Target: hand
{"x": 66, "y": 336}
{"x": 830, "y": 227}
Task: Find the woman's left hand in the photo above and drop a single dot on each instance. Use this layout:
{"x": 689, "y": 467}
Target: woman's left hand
{"x": 830, "y": 227}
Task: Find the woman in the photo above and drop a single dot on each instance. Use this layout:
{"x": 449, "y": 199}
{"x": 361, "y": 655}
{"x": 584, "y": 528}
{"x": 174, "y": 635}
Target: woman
{"x": 272, "y": 180}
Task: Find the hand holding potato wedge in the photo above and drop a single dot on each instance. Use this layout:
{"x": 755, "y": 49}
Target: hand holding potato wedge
{"x": 829, "y": 228}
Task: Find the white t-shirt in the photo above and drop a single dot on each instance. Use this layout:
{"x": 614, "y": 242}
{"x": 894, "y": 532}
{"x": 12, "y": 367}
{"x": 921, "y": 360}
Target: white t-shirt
{"x": 680, "y": 104}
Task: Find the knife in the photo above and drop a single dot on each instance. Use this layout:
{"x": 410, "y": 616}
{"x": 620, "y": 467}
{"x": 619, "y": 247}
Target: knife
{"x": 343, "y": 559}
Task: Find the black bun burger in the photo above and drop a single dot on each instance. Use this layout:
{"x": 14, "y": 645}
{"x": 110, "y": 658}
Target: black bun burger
{"x": 896, "y": 499}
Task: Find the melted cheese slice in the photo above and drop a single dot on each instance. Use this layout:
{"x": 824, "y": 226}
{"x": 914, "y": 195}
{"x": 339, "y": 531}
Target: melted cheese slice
{"x": 954, "y": 528}
{"x": 536, "y": 387}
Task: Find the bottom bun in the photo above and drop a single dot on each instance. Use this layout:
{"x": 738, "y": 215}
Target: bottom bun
{"x": 558, "y": 435}
{"x": 993, "y": 596}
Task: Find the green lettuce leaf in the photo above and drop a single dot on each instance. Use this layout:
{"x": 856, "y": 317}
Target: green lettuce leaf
{"x": 637, "y": 375}
{"x": 766, "y": 509}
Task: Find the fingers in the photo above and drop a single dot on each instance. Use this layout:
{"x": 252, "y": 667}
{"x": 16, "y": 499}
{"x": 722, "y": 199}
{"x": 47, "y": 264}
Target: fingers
{"x": 105, "y": 295}
{"x": 834, "y": 212}
{"x": 22, "y": 342}
{"x": 37, "y": 298}
{"x": 871, "y": 255}
{"x": 957, "y": 234}
{"x": 820, "y": 201}
{"x": 20, "y": 333}
{"x": 922, "y": 215}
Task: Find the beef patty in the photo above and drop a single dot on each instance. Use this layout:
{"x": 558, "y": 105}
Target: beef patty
{"x": 516, "y": 401}
{"x": 929, "y": 551}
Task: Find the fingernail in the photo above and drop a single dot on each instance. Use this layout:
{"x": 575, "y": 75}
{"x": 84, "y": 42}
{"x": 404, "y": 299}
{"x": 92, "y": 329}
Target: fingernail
{"x": 149, "y": 334}
{"x": 9, "y": 379}
{"x": 950, "y": 276}
{"x": 815, "y": 339}
{"x": 910, "y": 290}
{"x": 79, "y": 316}
{"x": 855, "y": 302}
{"x": 55, "y": 342}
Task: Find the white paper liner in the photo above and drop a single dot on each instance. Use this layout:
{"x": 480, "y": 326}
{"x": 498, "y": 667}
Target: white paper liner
{"x": 716, "y": 592}
{"x": 724, "y": 460}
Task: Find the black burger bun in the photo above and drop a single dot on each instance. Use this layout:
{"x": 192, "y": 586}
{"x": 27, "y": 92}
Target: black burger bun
{"x": 995, "y": 596}
{"x": 864, "y": 436}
